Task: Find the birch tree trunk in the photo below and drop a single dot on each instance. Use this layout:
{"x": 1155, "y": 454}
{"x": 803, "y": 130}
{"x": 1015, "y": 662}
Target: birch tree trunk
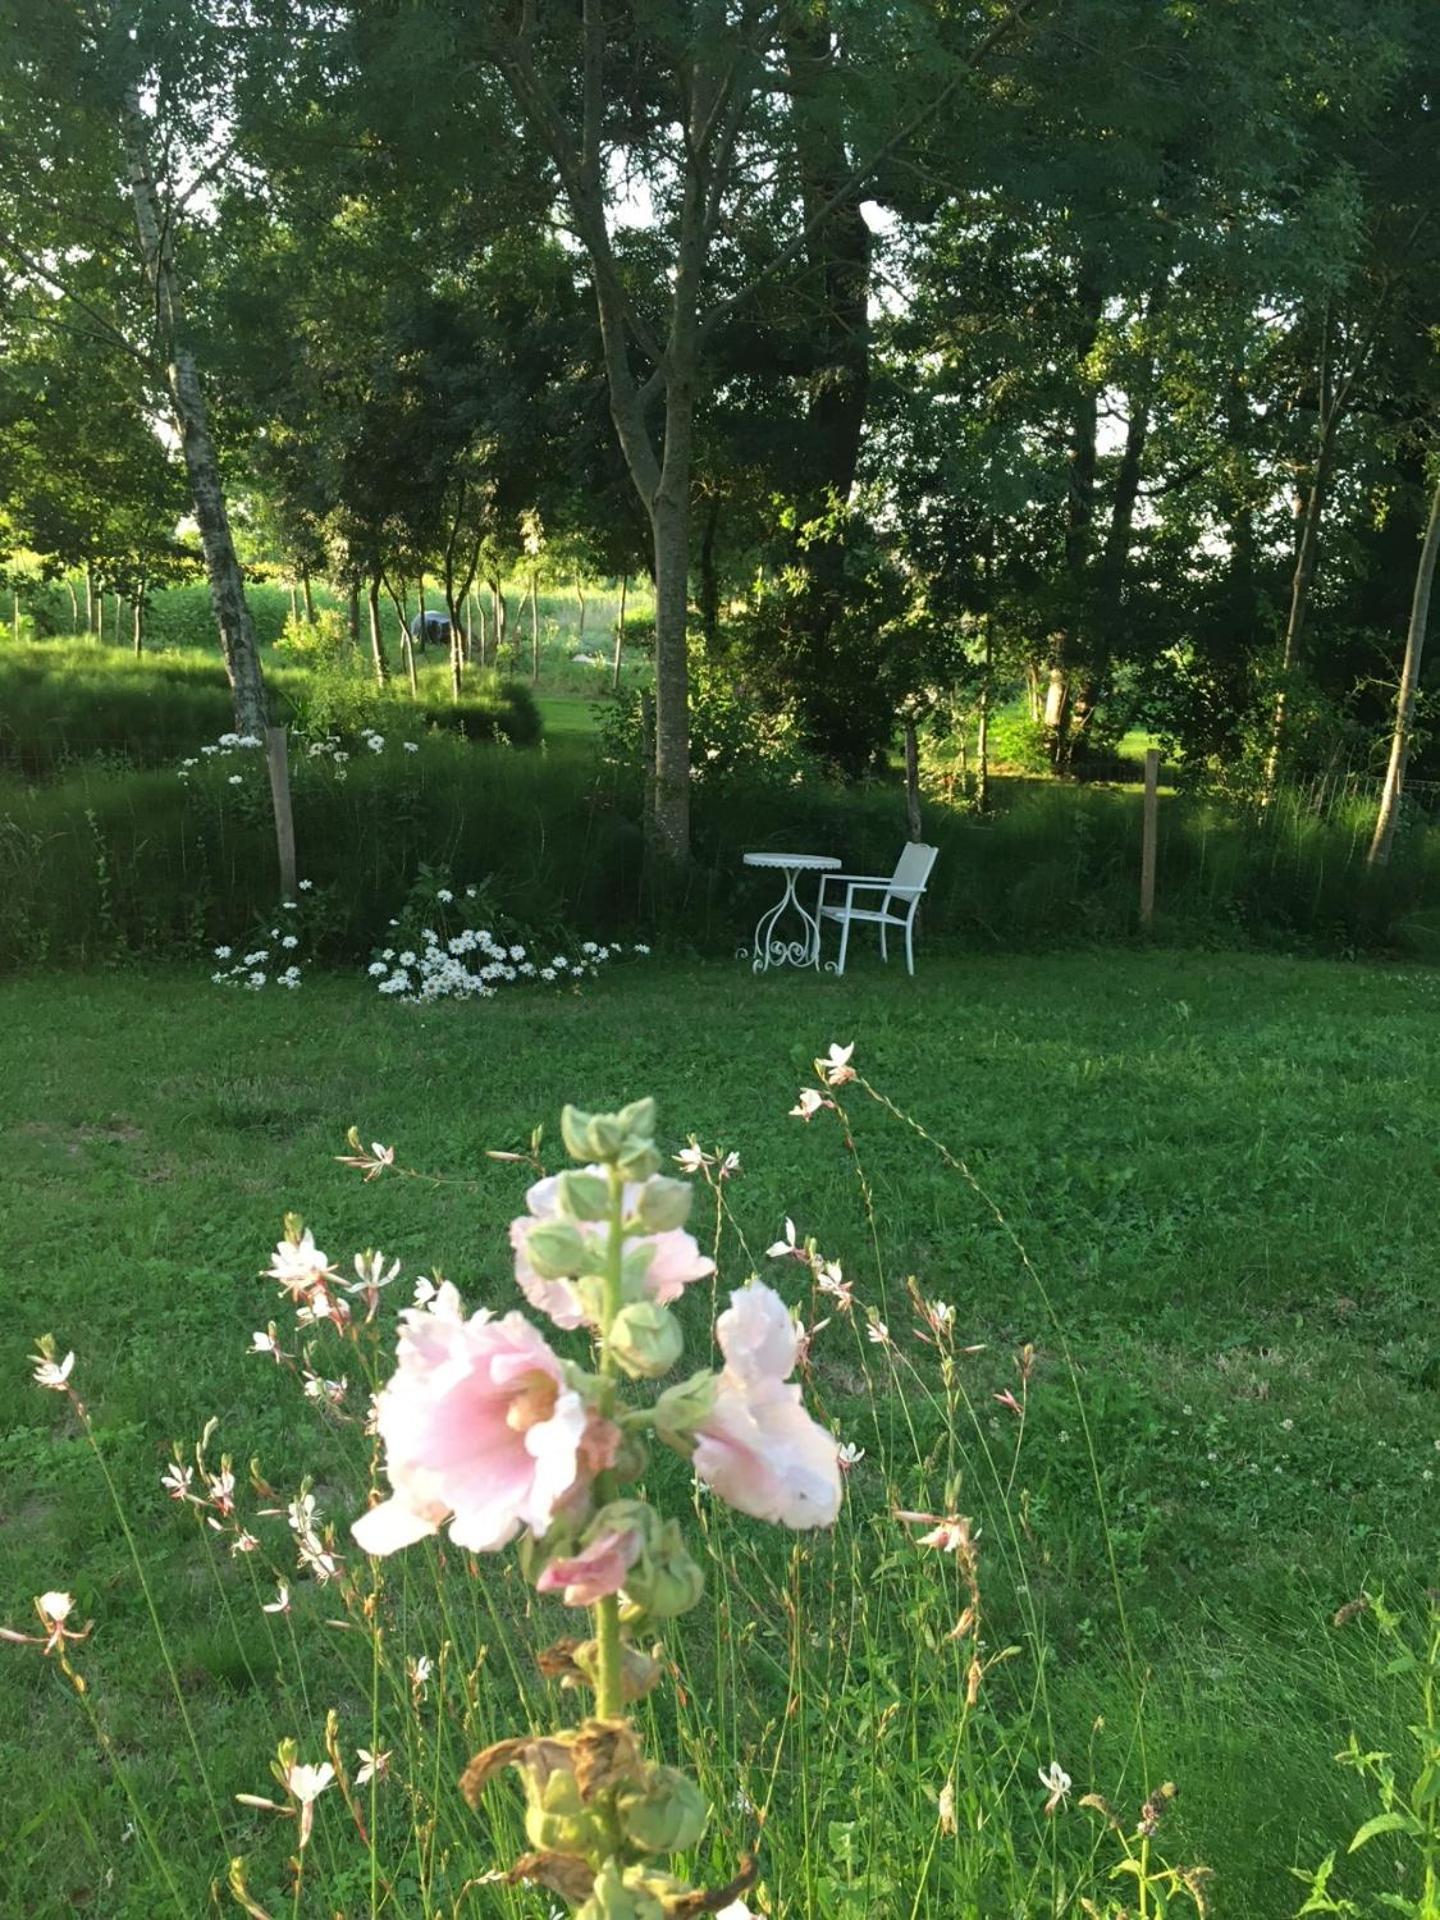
{"x": 1388, "y": 815}
{"x": 377, "y": 636}
{"x": 192, "y": 423}
{"x": 619, "y": 634}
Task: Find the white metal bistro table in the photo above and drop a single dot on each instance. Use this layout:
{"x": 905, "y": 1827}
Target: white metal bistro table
{"x": 769, "y": 951}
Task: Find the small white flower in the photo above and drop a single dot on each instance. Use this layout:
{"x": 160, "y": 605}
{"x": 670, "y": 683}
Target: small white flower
{"x": 281, "y": 1602}
{"x": 223, "y": 953}
{"x": 835, "y": 1068}
{"x": 48, "y": 1374}
{"x": 849, "y": 1455}
{"x": 290, "y": 940}
{"x": 1057, "y": 1784}
{"x": 236, "y": 780}
{"x": 808, "y": 1103}
{"x": 412, "y": 746}
{"x": 878, "y": 1333}
{"x": 373, "y": 1766}
{"x": 444, "y": 895}
{"x": 306, "y": 885}
{"x": 778, "y": 1249}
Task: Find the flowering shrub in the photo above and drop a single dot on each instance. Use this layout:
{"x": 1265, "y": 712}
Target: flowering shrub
{"x": 447, "y": 947}
{"x": 274, "y": 956}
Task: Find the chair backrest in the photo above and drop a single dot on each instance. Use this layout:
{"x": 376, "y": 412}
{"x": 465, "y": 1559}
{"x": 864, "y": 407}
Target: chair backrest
{"x": 912, "y": 872}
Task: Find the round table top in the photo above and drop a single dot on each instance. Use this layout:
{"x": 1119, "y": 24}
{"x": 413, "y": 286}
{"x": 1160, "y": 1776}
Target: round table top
{"x": 818, "y": 862}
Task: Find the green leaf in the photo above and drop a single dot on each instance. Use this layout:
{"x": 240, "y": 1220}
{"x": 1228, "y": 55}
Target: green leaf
{"x": 1396, "y": 1822}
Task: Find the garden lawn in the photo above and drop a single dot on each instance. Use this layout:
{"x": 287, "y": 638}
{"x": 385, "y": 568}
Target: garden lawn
{"x": 1224, "y": 1172}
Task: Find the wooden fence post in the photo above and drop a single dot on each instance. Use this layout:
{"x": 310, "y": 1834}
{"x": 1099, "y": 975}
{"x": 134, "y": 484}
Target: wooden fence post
{"x": 1148, "y": 835}
{"x": 278, "y": 763}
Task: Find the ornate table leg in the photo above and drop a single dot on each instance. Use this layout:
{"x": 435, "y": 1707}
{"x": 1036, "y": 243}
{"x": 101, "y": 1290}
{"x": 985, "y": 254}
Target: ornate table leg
{"x": 769, "y": 951}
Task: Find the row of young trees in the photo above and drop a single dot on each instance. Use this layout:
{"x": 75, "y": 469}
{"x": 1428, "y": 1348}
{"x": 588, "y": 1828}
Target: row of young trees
{"x": 912, "y": 346}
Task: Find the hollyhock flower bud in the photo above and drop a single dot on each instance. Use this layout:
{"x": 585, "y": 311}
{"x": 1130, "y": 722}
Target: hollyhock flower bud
{"x": 557, "y": 1250}
{"x": 665, "y": 1813}
{"x": 681, "y": 1410}
{"x": 665, "y": 1581}
{"x": 645, "y": 1339}
{"x": 664, "y": 1204}
{"x": 598, "y": 1569}
{"x": 757, "y": 1446}
{"x": 480, "y": 1428}
{"x": 557, "y": 1820}
{"x": 583, "y": 1194}
{"x": 611, "y": 1898}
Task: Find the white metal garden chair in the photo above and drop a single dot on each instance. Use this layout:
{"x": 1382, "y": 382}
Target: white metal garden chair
{"x": 900, "y": 897}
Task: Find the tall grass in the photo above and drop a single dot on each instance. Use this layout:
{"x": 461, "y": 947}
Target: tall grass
{"x": 101, "y": 862}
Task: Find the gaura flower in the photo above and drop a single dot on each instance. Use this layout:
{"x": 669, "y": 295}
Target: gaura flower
{"x": 479, "y": 1428}
{"x": 675, "y": 1259}
{"x": 757, "y": 1446}
{"x": 596, "y": 1570}
{"x": 299, "y": 1266}
{"x": 373, "y": 1766}
{"x": 1057, "y": 1784}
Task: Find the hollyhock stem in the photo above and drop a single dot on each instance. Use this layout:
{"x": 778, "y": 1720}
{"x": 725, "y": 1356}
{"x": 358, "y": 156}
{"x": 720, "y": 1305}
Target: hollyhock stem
{"x": 609, "y": 1686}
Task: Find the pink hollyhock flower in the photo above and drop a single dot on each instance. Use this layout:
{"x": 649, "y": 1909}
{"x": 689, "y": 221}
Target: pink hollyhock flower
{"x": 479, "y": 1429}
{"x": 675, "y": 1258}
{"x": 594, "y": 1572}
{"x": 757, "y": 1446}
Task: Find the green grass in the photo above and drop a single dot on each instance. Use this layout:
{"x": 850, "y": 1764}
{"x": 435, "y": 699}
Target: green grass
{"x": 1223, "y": 1170}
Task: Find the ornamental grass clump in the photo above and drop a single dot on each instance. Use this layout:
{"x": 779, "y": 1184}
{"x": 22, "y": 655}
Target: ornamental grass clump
{"x": 491, "y": 1436}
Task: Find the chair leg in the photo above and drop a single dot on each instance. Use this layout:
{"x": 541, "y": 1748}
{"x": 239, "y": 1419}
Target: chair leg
{"x": 844, "y": 943}
{"x": 909, "y": 947}
{"x": 884, "y": 952}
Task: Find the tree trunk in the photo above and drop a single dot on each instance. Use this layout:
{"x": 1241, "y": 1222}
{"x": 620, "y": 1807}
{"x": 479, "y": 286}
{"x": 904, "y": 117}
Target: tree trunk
{"x": 534, "y": 628}
{"x": 422, "y": 633}
{"x": 1388, "y": 815}
{"x": 137, "y": 634}
{"x": 352, "y": 613}
{"x": 912, "y": 780}
{"x": 671, "y": 820}
{"x": 309, "y": 599}
{"x": 1068, "y": 647}
{"x": 982, "y": 730}
{"x": 501, "y": 620}
{"x": 192, "y": 422}
{"x": 294, "y": 602}
{"x": 580, "y": 597}
{"x": 74, "y": 605}
{"x": 377, "y": 636}
{"x": 619, "y": 634}
{"x": 477, "y": 620}
{"x": 89, "y": 601}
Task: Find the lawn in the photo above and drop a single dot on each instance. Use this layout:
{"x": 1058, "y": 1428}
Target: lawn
{"x": 1223, "y": 1172}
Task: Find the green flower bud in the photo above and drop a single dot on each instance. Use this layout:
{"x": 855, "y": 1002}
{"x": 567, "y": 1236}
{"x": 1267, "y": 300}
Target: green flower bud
{"x": 575, "y": 1132}
{"x": 645, "y": 1339}
{"x": 637, "y": 1158}
{"x": 557, "y": 1820}
{"x": 682, "y": 1408}
{"x": 664, "y": 1204}
{"x": 590, "y": 1292}
{"x": 666, "y": 1813}
{"x": 665, "y": 1581}
{"x": 606, "y": 1136}
{"x": 638, "y": 1119}
{"x": 583, "y": 1196}
{"x": 556, "y": 1249}
{"x": 611, "y": 1899}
